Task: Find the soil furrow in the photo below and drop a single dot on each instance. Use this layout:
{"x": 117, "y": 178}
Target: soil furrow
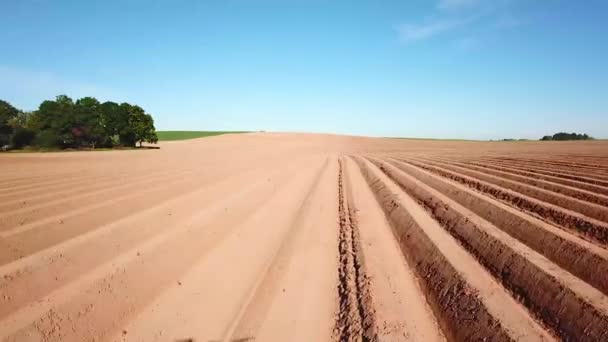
{"x": 201, "y": 305}
{"x": 590, "y": 210}
{"x": 584, "y": 259}
{"x": 585, "y": 227}
{"x": 569, "y": 182}
{"x": 570, "y": 164}
{"x": 51, "y": 180}
{"x": 553, "y": 162}
{"x": 27, "y": 182}
{"x": 552, "y": 171}
{"x": 41, "y": 197}
{"x": 277, "y": 290}
{"x": 122, "y": 231}
{"x": 306, "y": 237}
{"x": 117, "y": 277}
{"x": 26, "y": 216}
{"x": 124, "y": 237}
{"x": 460, "y": 292}
{"x": 356, "y": 318}
{"x": 547, "y": 185}
{"x": 52, "y": 231}
{"x": 533, "y": 280}
{"x": 400, "y": 306}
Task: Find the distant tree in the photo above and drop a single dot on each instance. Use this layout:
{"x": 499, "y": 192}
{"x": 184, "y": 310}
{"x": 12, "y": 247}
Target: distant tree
{"x": 57, "y": 117}
{"x": 150, "y": 131}
{"x": 7, "y": 114}
{"x": 126, "y": 132}
{"x": 112, "y": 120}
{"x": 22, "y": 136}
{"x": 142, "y": 125}
{"x": 20, "y": 120}
{"x": 153, "y": 139}
{"x": 562, "y": 136}
{"x": 33, "y": 120}
{"x": 88, "y": 125}
{"x": 46, "y": 139}
{"x": 63, "y": 122}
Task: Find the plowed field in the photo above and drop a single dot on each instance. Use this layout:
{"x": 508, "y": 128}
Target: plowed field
{"x": 297, "y": 237}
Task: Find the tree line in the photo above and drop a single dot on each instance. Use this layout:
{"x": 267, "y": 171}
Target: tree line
{"x": 566, "y": 136}
{"x": 84, "y": 123}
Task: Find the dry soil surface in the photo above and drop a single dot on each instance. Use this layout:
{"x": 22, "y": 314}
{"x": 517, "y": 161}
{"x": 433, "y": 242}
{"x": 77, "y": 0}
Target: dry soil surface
{"x": 302, "y": 237}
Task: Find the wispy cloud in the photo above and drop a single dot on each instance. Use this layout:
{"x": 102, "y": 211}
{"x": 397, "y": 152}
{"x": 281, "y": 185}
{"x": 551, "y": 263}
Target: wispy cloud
{"x": 460, "y": 15}
{"x": 415, "y": 32}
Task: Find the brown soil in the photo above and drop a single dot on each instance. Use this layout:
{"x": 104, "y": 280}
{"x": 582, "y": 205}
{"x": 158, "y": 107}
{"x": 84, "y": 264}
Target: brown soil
{"x": 303, "y": 237}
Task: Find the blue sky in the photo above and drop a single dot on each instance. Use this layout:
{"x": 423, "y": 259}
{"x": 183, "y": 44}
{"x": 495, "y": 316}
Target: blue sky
{"x": 437, "y": 68}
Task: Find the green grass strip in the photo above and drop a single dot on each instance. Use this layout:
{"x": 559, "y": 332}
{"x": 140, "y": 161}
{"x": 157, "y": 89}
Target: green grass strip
{"x": 184, "y": 135}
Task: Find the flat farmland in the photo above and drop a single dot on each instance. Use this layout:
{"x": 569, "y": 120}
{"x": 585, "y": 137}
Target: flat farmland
{"x": 306, "y": 237}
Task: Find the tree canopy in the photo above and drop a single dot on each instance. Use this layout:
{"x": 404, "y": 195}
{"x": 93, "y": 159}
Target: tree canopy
{"x": 566, "y": 136}
{"x": 7, "y": 115}
{"x": 65, "y": 123}
{"x": 142, "y": 125}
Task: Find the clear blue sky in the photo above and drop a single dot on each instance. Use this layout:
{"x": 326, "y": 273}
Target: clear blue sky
{"x": 438, "y": 68}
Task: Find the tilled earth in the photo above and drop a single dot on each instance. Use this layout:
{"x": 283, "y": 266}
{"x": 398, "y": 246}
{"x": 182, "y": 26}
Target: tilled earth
{"x": 301, "y": 237}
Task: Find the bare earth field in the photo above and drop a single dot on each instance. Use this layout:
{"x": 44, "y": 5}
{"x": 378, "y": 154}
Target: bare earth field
{"x": 301, "y": 237}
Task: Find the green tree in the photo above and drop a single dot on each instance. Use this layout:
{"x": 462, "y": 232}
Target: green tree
{"x": 7, "y": 114}
{"x": 116, "y": 122}
{"x": 57, "y": 117}
{"x": 567, "y": 136}
{"x": 85, "y": 122}
{"x": 20, "y": 120}
{"x": 88, "y": 124}
{"x": 142, "y": 125}
{"x": 126, "y": 133}
{"x": 22, "y": 136}
{"x": 33, "y": 121}
{"x": 110, "y": 116}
